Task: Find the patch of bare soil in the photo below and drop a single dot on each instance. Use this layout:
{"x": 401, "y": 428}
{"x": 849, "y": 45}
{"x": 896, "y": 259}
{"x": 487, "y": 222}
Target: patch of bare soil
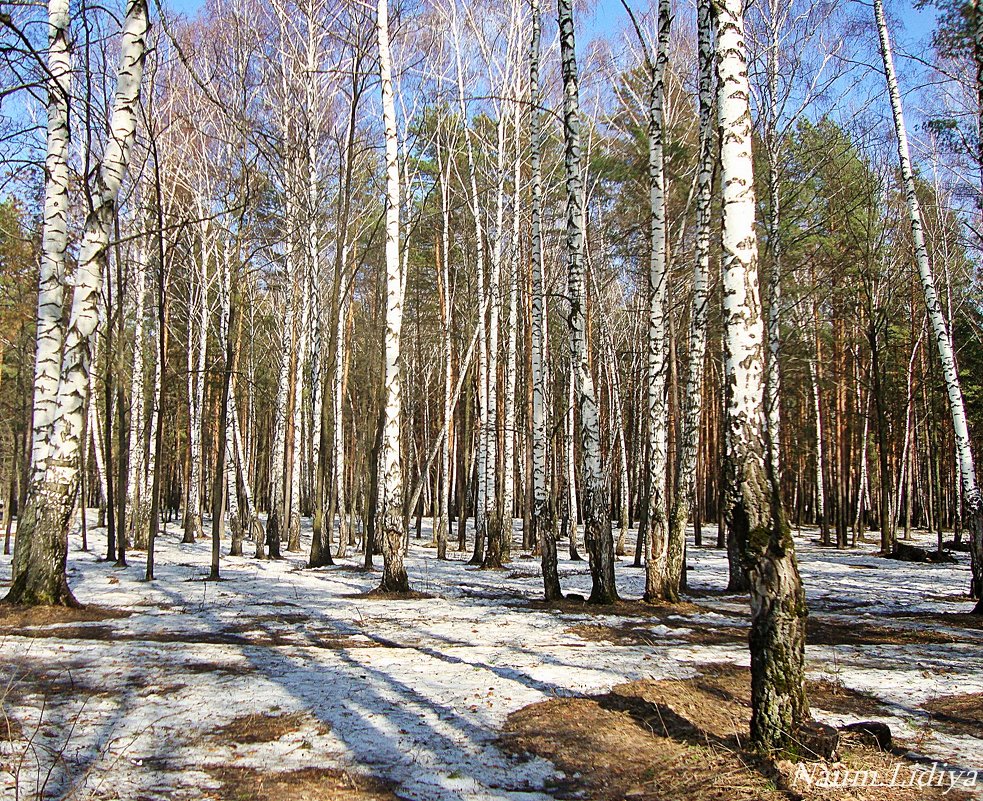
{"x": 686, "y": 739}
{"x": 10, "y": 728}
{"x": 236, "y": 669}
{"x": 956, "y": 620}
{"x": 306, "y": 784}
{"x": 635, "y": 634}
{"x": 959, "y": 714}
{"x": 14, "y": 617}
{"x": 831, "y": 696}
{"x": 262, "y": 727}
{"x": 630, "y": 609}
{"x": 244, "y": 634}
{"x": 823, "y": 631}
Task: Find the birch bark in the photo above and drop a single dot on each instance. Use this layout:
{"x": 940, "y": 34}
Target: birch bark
{"x": 54, "y": 237}
{"x": 754, "y": 513}
{"x": 390, "y": 506}
{"x": 659, "y": 585}
{"x": 594, "y": 496}
{"x": 940, "y": 330}
{"x": 543, "y": 530}
{"x": 39, "y": 577}
{"x": 690, "y": 440}
{"x": 135, "y": 487}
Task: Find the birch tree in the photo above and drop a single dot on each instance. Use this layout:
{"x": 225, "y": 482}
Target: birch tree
{"x": 755, "y": 517}
{"x": 659, "y": 585}
{"x": 972, "y": 499}
{"x": 394, "y": 578}
{"x": 543, "y": 530}
{"x": 54, "y": 240}
{"x": 136, "y": 500}
{"x": 693, "y": 410}
{"x": 42, "y": 539}
{"x": 594, "y": 497}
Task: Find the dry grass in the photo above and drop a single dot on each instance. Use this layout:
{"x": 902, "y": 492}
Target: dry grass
{"x": 262, "y": 727}
{"x": 960, "y": 714}
{"x": 685, "y": 739}
{"x": 306, "y": 784}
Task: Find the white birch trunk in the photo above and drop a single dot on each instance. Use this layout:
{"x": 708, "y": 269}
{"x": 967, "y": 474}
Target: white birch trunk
{"x": 54, "y": 237}
{"x": 690, "y": 440}
{"x": 394, "y": 578}
{"x": 659, "y": 585}
{"x": 338, "y": 408}
{"x": 196, "y": 380}
{"x": 485, "y": 420}
{"x": 446, "y": 309}
{"x": 597, "y": 523}
{"x": 494, "y": 517}
{"x": 512, "y": 331}
{"x": 95, "y": 432}
{"x": 820, "y": 448}
{"x": 135, "y": 489}
{"x": 754, "y": 514}
{"x": 294, "y": 475}
{"x": 232, "y": 511}
{"x": 940, "y": 330}
{"x": 276, "y": 517}
{"x": 543, "y": 531}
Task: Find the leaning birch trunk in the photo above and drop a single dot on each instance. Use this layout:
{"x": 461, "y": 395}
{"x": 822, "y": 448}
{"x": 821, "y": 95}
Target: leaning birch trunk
{"x": 543, "y": 530}
{"x": 754, "y": 513}
{"x": 659, "y": 585}
{"x": 390, "y": 506}
{"x": 39, "y": 577}
{"x": 135, "y": 490}
{"x": 690, "y": 441}
{"x": 594, "y": 495}
{"x": 940, "y": 329}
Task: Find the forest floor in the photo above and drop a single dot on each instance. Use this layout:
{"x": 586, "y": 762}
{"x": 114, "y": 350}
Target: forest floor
{"x": 280, "y": 682}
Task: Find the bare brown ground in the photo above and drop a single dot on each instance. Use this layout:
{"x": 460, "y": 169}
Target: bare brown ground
{"x": 821, "y": 631}
{"x": 960, "y": 714}
{"x": 245, "y": 634}
{"x": 306, "y": 784}
{"x": 263, "y": 727}
{"x": 14, "y": 617}
{"x": 686, "y": 739}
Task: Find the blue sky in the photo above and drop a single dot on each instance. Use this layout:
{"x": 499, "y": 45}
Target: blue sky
{"x": 610, "y": 16}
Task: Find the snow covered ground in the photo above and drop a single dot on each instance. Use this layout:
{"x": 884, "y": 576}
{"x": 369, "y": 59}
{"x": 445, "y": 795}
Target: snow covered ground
{"x": 414, "y": 691}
